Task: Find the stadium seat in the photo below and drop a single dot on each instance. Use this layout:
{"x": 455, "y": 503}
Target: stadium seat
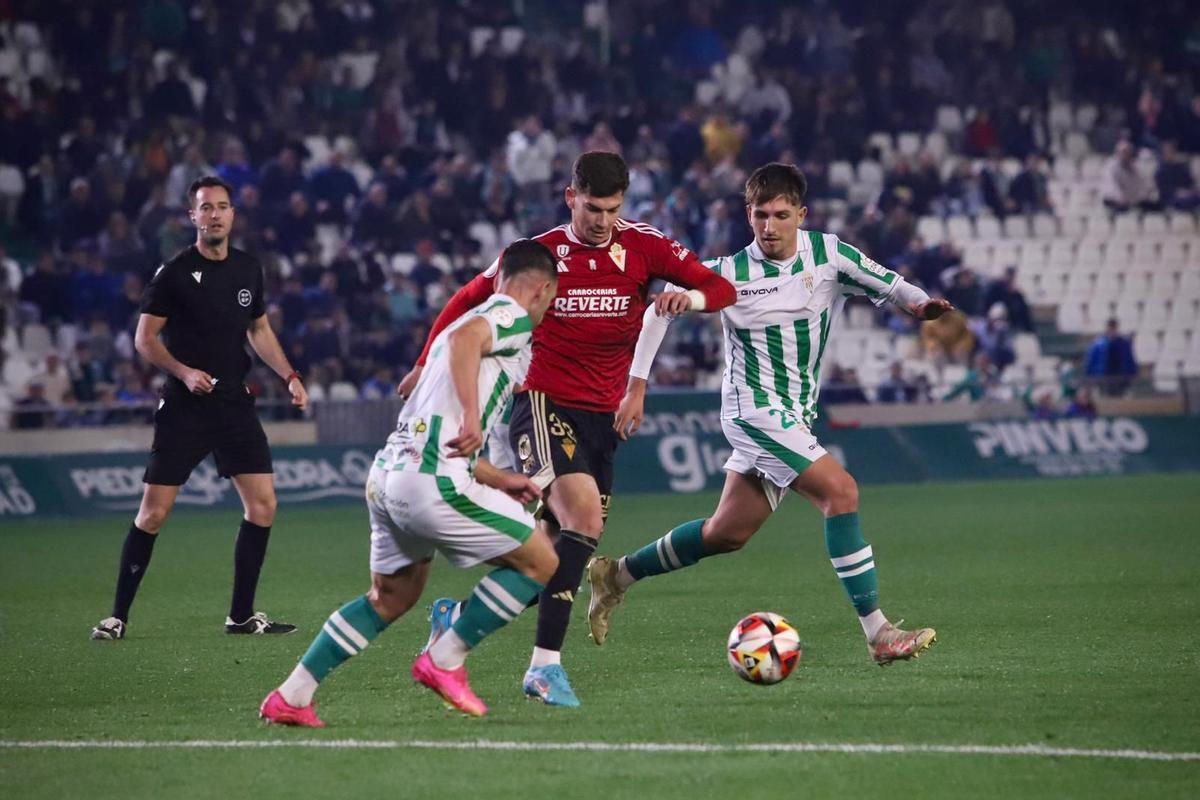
{"x": 1072, "y": 225}
{"x": 1045, "y": 226}
{"x": 403, "y": 262}
{"x": 343, "y": 391}
{"x": 1089, "y": 254}
{"x": 1086, "y": 115}
{"x": 1126, "y": 224}
{"x": 841, "y": 174}
{"x": 932, "y": 230}
{"x": 1146, "y": 346}
{"x": 1184, "y": 223}
{"x": 1166, "y": 377}
{"x": 978, "y": 256}
{"x": 1066, "y": 170}
{"x": 1075, "y": 145}
{"x": 1173, "y": 251}
{"x": 1091, "y": 167}
{"x": 1072, "y": 315}
{"x": 936, "y": 145}
{"x": 1015, "y": 226}
{"x": 882, "y": 140}
{"x": 1027, "y": 348}
{"x": 1005, "y": 253}
{"x": 36, "y": 341}
{"x": 959, "y": 229}
{"x": 1154, "y": 223}
{"x": 1128, "y": 312}
{"x": 1060, "y": 119}
{"x": 488, "y": 237}
{"x": 1137, "y": 281}
{"x": 1189, "y": 284}
{"x": 949, "y": 120}
{"x": 908, "y": 144}
{"x": 988, "y": 229}
{"x": 1062, "y": 251}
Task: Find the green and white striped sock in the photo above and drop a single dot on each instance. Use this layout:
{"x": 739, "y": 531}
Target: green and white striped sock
{"x": 681, "y": 547}
{"x": 497, "y": 600}
{"x": 346, "y": 633}
{"x": 854, "y": 561}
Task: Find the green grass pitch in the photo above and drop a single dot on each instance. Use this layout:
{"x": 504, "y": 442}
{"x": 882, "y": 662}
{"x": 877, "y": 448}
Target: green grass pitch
{"x": 1066, "y": 615}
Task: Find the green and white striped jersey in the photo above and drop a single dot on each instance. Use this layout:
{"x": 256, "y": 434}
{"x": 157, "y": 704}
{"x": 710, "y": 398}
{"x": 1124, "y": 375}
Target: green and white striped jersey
{"x": 432, "y": 416}
{"x": 776, "y": 332}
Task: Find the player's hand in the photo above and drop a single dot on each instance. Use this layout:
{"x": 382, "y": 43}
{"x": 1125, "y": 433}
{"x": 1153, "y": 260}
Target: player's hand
{"x": 931, "y": 309}
{"x": 630, "y": 412}
{"x": 468, "y": 441}
{"x": 409, "y": 382}
{"x": 668, "y": 304}
{"x": 198, "y": 381}
{"x": 519, "y": 487}
{"x": 299, "y": 393}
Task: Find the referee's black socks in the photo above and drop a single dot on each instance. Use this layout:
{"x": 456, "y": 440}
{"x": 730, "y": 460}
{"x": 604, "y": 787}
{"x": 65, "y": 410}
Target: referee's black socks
{"x": 554, "y": 605}
{"x": 248, "y": 556}
{"x": 135, "y": 557}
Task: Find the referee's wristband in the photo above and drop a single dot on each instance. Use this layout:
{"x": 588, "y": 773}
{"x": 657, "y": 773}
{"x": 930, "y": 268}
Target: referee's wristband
{"x": 293, "y": 374}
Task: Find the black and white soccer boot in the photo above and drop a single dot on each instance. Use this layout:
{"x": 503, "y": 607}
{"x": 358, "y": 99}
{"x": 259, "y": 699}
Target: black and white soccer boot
{"x": 257, "y": 625}
{"x": 107, "y": 629}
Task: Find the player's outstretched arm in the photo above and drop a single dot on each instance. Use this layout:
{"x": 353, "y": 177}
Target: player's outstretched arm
{"x": 632, "y": 408}
{"x": 148, "y": 344}
{"x": 709, "y": 291}
{"x": 477, "y": 290}
{"x": 468, "y": 344}
{"x": 266, "y": 344}
{"x": 517, "y": 486}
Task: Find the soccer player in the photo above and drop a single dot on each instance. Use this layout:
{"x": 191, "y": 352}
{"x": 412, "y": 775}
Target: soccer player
{"x": 791, "y": 286}
{"x": 206, "y": 302}
{"x": 561, "y": 428}
{"x": 428, "y": 491}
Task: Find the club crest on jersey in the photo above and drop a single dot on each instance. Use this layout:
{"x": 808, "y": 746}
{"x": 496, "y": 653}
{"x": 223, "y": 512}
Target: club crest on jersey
{"x": 617, "y": 254}
{"x": 503, "y": 317}
{"x": 524, "y": 447}
{"x": 563, "y": 249}
{"x": 808, "y": 281}
{"x": 243, "y": 296}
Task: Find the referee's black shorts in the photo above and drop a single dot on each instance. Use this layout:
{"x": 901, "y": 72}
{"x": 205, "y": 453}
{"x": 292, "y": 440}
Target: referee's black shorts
{"x": 188, "y": 427}
{"x": 549, "y": 440}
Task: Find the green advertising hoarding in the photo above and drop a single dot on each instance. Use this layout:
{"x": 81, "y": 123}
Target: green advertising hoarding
{"x": 680, "y": 448}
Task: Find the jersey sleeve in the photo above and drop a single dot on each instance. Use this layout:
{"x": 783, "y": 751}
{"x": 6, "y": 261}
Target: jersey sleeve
{"x": 158, "y": 298}
{"x": 859, "y": 275}
{"x": 675, "y": 263}
{"x": 475, "y": 292}
{"x": 511, "y": 327}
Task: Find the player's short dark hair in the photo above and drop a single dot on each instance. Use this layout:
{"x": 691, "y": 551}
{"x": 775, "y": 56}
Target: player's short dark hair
{"x": 776, "y": 180}
{"x": 205, "y": 182}
{"x": 600, "y": 174}
{"x": 527, "y": 255}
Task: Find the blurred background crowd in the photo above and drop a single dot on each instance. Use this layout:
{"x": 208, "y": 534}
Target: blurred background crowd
{"x": 382, "y": 151}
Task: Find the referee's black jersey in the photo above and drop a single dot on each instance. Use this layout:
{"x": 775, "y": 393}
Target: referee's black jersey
{"x": 208, "y": 305}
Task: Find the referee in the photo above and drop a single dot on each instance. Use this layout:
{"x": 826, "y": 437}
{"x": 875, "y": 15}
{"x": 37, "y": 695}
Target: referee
{"x": 206, "y": 303}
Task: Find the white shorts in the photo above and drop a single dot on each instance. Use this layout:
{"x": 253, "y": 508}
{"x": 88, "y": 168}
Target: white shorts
{"x": 499, "y": 451}
{"x": 413, "y": 514}
{"x": 773, "y": 444}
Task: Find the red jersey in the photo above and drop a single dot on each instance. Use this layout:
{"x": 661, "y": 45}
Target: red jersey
{"x": 584, "y": 346}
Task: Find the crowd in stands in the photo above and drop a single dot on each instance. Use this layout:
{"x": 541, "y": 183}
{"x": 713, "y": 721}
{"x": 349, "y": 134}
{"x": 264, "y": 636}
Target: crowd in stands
{"x": 382, "y": 151}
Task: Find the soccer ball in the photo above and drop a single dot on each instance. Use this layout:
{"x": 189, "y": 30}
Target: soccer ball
{"x": 763, "y": 648}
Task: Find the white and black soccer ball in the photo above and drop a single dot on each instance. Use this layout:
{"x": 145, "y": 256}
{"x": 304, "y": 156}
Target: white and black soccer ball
{"x": 763, "y": 648}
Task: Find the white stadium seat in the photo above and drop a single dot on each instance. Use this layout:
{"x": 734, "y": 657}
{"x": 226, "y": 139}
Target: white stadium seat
{"x": 1154, "y": 223}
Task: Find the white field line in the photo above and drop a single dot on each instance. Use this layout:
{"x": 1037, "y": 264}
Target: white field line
{"x": 853, "y": 748}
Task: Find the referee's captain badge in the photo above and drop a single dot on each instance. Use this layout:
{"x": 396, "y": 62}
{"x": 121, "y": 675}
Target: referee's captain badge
{"x": 244, "y": 297}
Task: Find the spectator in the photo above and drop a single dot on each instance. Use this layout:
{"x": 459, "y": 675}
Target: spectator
{"x": 1005, "y": 292}
{"x": 53, "y": 380}
{"x": 126, "y": 308}
{"x": 1029, "y": 189}
{"x": 1110, "y": 362}
{"x": 281, "y": 178}
{"x": 965, "y": 292}
{"x": 684, "y": 142}
{"x": 31, "y": 411}
{"x": 530, "y": 153}
{"x": 297, "y": 230}
{"x": 120, "y": 248}
{"x": 1174, "y": 179}
{"x": 402, "y": 301}
{"x": 375, "y": 220}
{"x": 334, "y": 188}
{"x": 192, "y": 166}
{"x": 45, "y": 289}
{"x": 842, "y": 386}
{"x": 948, "y": 339}
{"x": 424, "y": 272}
{"x": 82, "y": 217}
{"x": 1123, "y": 187}
{"x": 993, "y": 336}
{"x": 1082, "y": 406}
{"x": 895, "y": 388}
{"x": 235, "y": 167}
{"x": 978, "y": 381}
{"x": 1043, "y": 407}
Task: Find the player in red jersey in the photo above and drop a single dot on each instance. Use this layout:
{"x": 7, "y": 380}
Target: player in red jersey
{"x": 562, "y": 430}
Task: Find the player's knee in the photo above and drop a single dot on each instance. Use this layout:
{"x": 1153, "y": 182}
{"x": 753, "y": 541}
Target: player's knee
{"x": 152, "y": 518}
{"x": 261, "y": 511}
{"x": 725, "y": 537}
{"x": 388, "y": 600}
{"x": 842, "y": 497}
